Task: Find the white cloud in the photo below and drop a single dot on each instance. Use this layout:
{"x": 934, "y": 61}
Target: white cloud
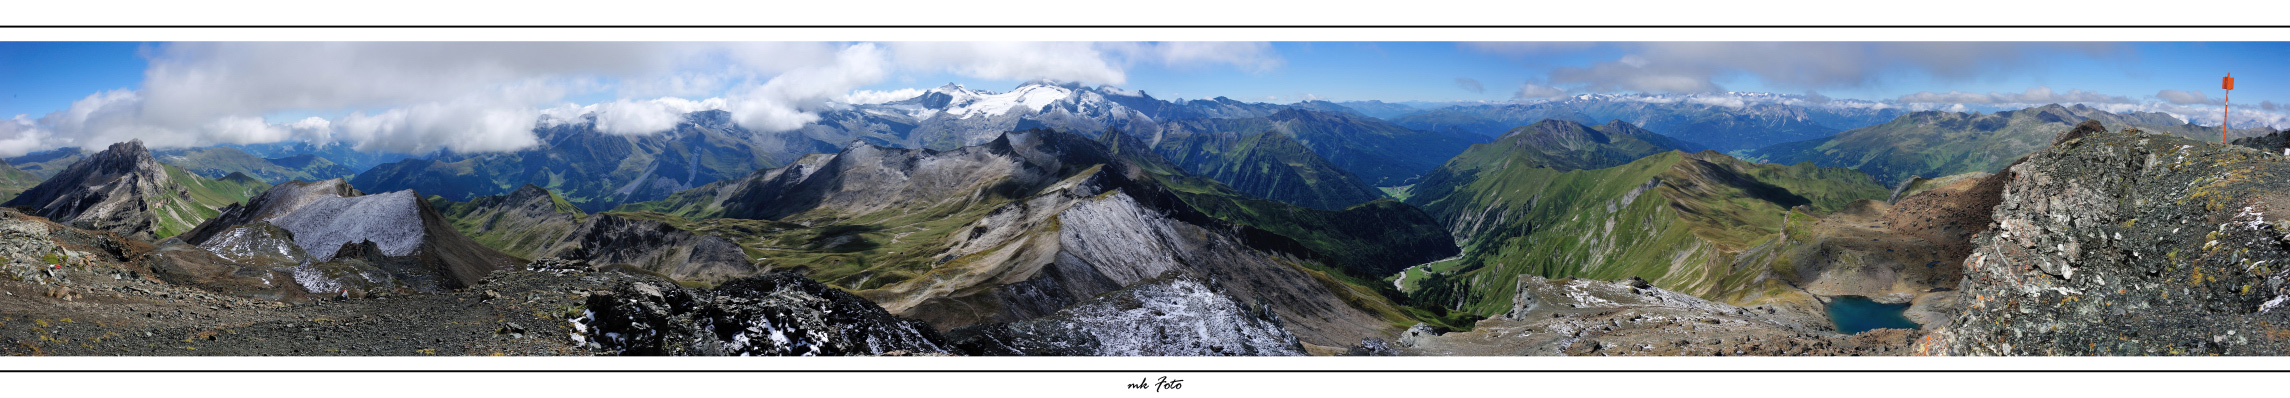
{"x": 1721, "y": 101}
{"x": 630, "y": 117}
{"x": 868, "y": 97}
{"x": 781, "y": 104}
{"x": 482, "y": 96}
{"x": 19, "y": 136}
{"x": 625, "y": 117}
{"x": 1689, "y": 67}
{"x": 433, "y": 126}
{"x": 2038, "y": 95}
{"x": 191, "y": 82}
{"x": 1531, "y": 91}
{"x": 2184, "y": 97}
{"x": 1066, "y": 61}
{"x": 1255, "y": 57}
{"x": 1637, "y": 74}
{"x": 247, "y": 130}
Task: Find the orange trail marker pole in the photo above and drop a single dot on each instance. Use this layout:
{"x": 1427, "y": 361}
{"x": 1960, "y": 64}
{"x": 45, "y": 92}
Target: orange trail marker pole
{"x": 2225, "y": 111}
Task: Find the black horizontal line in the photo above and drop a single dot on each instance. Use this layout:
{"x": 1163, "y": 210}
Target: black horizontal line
{"x": 1129, "y": 26}
{"x": 1152, "y": 371}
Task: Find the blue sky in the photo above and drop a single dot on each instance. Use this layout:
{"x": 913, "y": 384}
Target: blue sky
{"x": 414, "y": 96}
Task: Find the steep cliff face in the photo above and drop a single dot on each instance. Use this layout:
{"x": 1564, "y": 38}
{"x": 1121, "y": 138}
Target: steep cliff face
{"x": 775, "y": 314}
{"x": 2130, "y": 243}
{"x": 1172, "y": 315}
{"x": 124, "y": 190}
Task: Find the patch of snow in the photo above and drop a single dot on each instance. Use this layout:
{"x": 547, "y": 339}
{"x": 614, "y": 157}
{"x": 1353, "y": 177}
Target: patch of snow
{"x": 313, "y": 280}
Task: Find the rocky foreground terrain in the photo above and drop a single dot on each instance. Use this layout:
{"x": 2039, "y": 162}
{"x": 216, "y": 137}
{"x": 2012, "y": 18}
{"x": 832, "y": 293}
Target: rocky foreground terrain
{"x": 2130, "y": 243}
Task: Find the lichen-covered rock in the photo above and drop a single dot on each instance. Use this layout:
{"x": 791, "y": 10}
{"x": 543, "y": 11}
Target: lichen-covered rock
{"x": 2128, "y": 243}
{"x": 775, "y": 314}
{"x": 1172, "y": 315}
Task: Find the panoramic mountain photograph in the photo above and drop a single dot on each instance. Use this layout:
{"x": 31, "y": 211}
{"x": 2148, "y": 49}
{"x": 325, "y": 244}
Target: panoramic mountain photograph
{"x": 1144, "y": 198}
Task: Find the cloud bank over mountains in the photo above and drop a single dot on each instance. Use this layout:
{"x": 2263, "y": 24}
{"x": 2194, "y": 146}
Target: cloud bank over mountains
{"x": 486, "y": 96}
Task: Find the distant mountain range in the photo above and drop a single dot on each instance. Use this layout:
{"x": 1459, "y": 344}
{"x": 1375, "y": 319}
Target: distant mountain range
{"x": 1371, "y": 108}
{"x": 1932, "y": 144}
{"x": 1725, "y": 121}
{"x": 593, "y": 170}
{"x": 597, "y": 171}
{"x": 216, "y": 162}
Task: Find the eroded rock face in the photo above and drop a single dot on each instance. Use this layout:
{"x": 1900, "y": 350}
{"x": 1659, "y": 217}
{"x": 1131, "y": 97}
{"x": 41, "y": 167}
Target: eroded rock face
{"x": 606, "y": 239}
{"x": 1173, "y": 315}
{"x": 2129, "y": 243}
{"x": 776, "y": 314}
{"x": 114, "y": 190}
{"x": 1098, "y": 232}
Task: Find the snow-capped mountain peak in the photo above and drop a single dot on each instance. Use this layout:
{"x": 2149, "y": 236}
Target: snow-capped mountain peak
{"x": 965, "y": 104}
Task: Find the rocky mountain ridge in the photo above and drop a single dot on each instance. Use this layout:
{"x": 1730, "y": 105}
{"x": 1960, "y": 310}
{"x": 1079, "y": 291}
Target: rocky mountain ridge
{"x": 124, "y": 190}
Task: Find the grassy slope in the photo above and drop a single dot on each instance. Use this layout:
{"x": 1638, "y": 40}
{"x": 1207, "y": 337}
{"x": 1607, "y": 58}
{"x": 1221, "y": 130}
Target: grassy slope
{"x": 179, "y": 214}
{"x": 492, "y": 228}
{"x": 1559, "y": 224}
{"x": 1268, "y": 165}
{"x": 13, "y": 181}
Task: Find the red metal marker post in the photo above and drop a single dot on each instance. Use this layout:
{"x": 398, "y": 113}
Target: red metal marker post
{"x": 2224, "y": 112}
